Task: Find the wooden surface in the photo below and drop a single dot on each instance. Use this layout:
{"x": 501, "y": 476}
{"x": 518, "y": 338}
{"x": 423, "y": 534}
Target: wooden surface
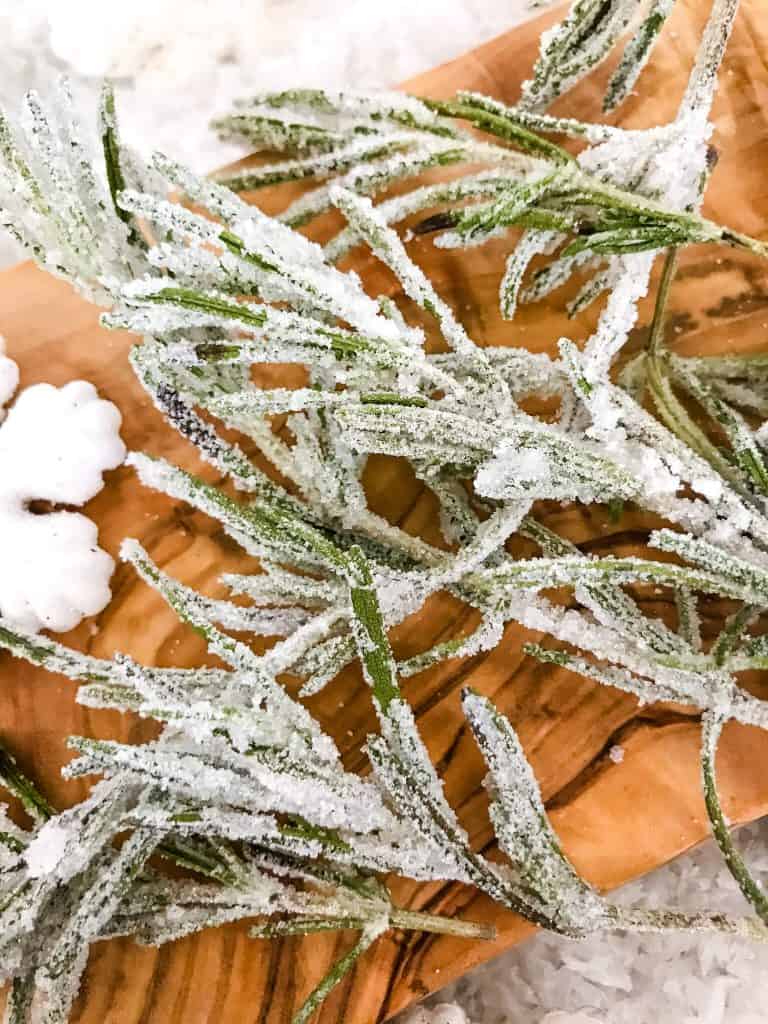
{"x": 616, "y": 820}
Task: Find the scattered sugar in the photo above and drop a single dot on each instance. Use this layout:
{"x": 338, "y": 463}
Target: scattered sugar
{"x": 47, "y": 849}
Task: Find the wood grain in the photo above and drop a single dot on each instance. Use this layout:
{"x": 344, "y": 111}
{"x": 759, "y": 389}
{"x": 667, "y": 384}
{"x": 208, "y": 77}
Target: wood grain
{"x": 616, "y": 820}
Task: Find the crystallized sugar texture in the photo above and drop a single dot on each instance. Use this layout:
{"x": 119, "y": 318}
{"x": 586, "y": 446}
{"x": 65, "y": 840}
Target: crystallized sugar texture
{"x": 46, "y": 850}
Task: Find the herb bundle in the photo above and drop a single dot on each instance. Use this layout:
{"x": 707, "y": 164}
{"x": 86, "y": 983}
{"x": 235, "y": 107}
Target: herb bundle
{"x": 243, "y": 787}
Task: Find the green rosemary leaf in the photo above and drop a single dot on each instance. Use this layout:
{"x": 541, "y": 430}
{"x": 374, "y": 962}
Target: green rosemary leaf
{"x": 730, "y": 636}
{"x": 20, "y": 999}
{"x": 521, "y": 824}
{"x": 111, "y": 148}
{"x": 371, "y": 637}
{"x": 502, "y": 126}
{"x": 342, "y": 966}
{"x": 572, "y": 48}
{"x": 712, "y": 725}
{"x": 636, "y": 54}
{"x": 17, "y": 783}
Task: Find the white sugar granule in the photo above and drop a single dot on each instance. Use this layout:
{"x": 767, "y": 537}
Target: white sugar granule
{"x": 46, "y": 850}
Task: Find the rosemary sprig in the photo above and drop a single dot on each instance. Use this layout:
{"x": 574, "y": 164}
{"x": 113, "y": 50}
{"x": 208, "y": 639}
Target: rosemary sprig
{"x": 243, "y": 787}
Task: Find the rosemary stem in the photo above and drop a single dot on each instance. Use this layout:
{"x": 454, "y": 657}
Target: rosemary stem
{"x": 333, "y": 977}
{"x": 416, "y": 920}
{"x": 711, "y": 727}
{"x": 668, "y": 272}
{"x": 664, "y": 920}
{"x": 740, "y": 241}
{"x": 669, "y": 408}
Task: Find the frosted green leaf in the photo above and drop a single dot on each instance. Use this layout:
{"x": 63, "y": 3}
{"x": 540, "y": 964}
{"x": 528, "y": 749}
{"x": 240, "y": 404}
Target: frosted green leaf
{"x": 522, "y": 827}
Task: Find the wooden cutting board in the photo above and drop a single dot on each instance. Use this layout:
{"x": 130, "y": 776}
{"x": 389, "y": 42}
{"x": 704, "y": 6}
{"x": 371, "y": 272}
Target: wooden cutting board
{"x": 617, "y": 821}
